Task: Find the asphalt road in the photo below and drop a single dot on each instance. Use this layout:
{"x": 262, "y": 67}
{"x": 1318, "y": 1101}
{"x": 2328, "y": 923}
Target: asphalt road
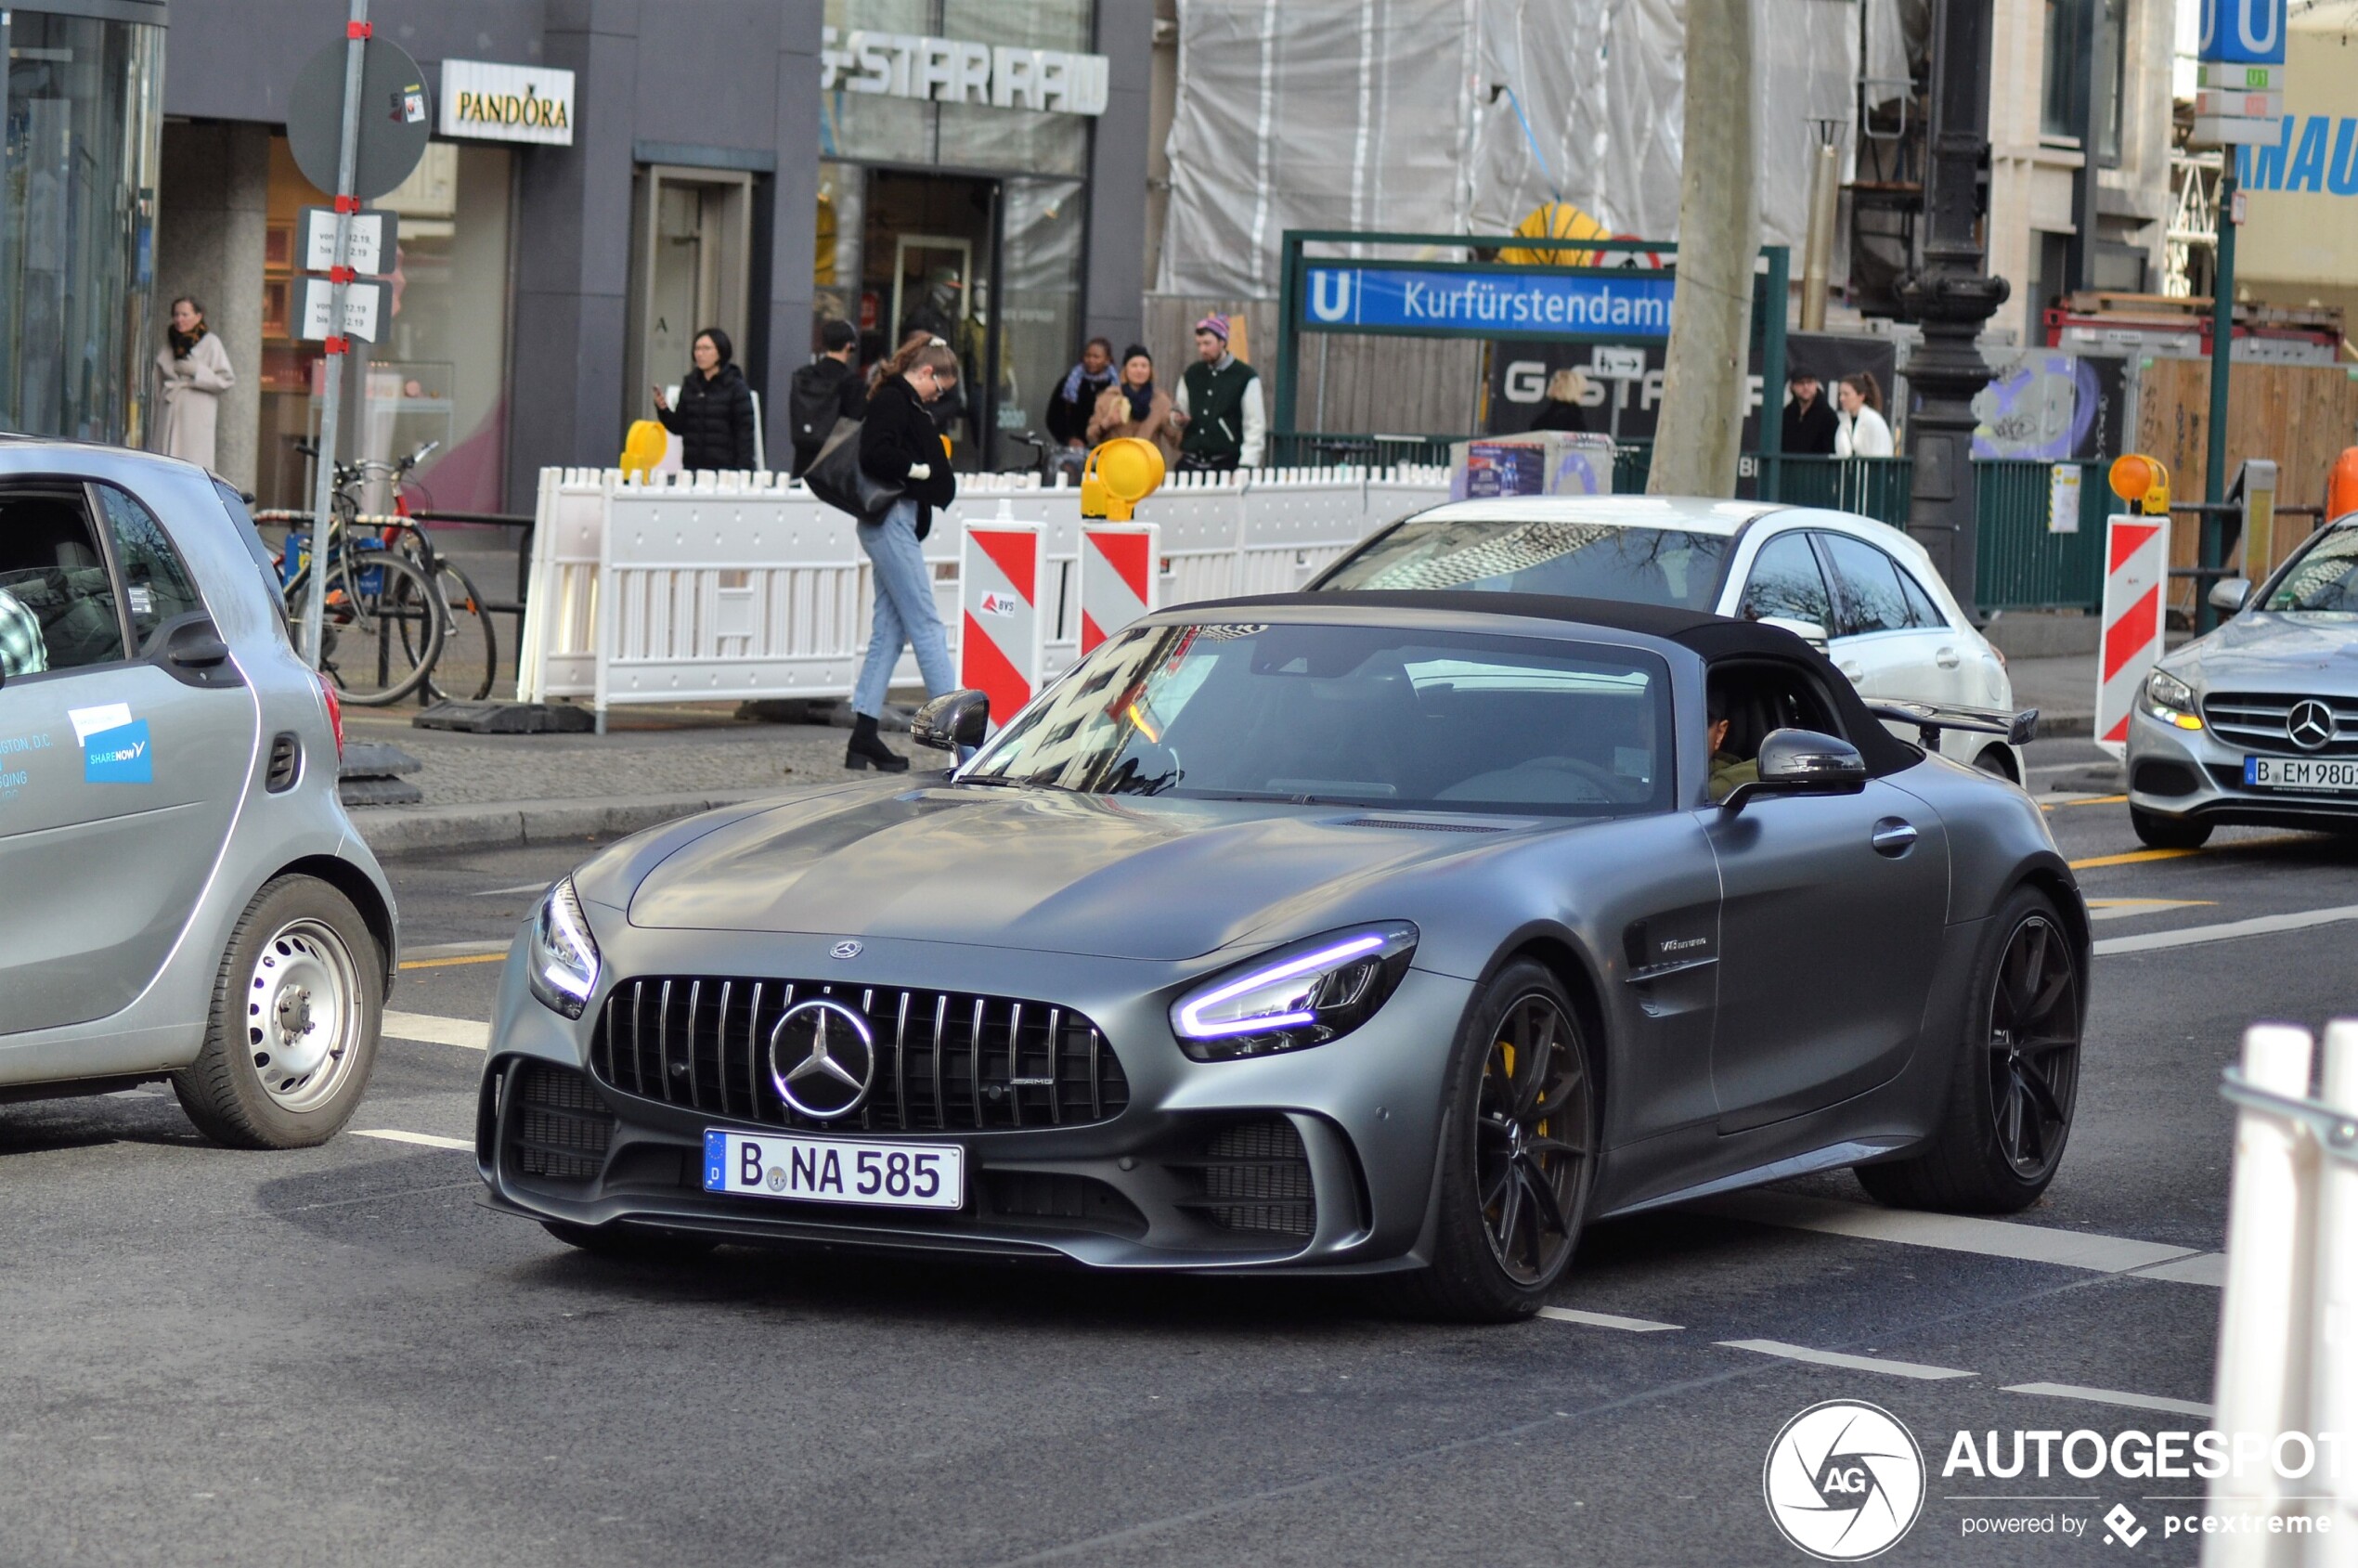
{"x": 338, "y": 1356}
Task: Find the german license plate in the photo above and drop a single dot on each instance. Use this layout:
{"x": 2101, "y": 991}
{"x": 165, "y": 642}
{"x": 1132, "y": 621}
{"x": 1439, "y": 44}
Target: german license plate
{"x": 835, "y": 1170}
{"x": 2332, "y": 777}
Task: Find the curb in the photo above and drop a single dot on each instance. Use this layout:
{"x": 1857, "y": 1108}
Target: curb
{"x": 408, "y": 830}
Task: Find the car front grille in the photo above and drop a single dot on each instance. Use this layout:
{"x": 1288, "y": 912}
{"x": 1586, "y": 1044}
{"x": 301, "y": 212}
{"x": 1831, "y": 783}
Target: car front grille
{"x": 2259, "y": 720}
{"x": 559, "y": 1127}
{"x": 1253, "y": 1176}
{"x": 945, "y": 1061}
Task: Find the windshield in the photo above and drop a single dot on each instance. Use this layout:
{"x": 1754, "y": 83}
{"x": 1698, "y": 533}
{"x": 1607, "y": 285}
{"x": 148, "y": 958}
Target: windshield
{"x": 1666, "y": 567}
{"x": 2322, "y": 581}
{"x": 1366, "y": 715}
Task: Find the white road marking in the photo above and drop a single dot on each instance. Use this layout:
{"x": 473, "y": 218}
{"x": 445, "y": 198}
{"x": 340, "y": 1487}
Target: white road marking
{"x": 1607, "y": 1320}
{"x": 519, "y": 888}
{"x": 2203, "y": 1268}
{"x": 2121, "y": 909}
{"x": 2114, "y": 1396}
{"x": 1952, "y": 1232}
{"x": 462, "y": 1032}
{"x": 394, "y": 1135}
{"x": 1849, "y": 1363}
{"x": 2260, "y": 926}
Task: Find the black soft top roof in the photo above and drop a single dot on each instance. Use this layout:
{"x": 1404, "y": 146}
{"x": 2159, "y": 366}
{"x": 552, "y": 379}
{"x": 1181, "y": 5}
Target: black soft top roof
{"x": 1713, "y": 639}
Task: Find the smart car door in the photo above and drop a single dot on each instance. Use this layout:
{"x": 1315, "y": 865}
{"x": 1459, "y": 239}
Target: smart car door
{"x": 125, "y": 743}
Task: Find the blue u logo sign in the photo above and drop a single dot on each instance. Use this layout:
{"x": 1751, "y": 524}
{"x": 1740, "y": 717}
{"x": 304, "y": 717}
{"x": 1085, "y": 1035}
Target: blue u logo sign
{"x": 2253, "y": 30}
{"x": 1331, "y": 293}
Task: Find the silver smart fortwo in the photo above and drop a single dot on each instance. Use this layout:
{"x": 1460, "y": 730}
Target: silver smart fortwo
{"x": 181, "y": 894}
{"x": 1394, "y": 934}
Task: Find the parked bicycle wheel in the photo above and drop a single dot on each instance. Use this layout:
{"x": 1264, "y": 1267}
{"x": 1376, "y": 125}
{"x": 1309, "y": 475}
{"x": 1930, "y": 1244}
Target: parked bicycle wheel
{"x": 469, "y": 661}
{"x": 383, "y": 629}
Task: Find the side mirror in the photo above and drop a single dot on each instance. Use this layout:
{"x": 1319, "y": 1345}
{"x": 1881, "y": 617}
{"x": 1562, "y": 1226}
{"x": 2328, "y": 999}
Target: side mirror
{"x": 2228, "y": 594}
{"x": 1808, "y": 631}
{"x": 1803, "y": 762}
{"x": 952, "y": 721}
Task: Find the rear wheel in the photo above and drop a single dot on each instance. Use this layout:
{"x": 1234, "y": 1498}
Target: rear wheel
{"x": 383, "y": 628}
{"x": 1996, "y": 761}
{"x": 469, "y": 664}
{"x": 2170, "y": 833}
{"x": 2017, "y": 1077}
{"x": 1518, "y": 1154}
{"x": 295, "y": 1012}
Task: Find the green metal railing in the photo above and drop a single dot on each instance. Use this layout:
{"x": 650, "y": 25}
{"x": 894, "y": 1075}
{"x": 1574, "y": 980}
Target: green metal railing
{"x": 2021, "y": 563}
{"x": 1307, "y": 448}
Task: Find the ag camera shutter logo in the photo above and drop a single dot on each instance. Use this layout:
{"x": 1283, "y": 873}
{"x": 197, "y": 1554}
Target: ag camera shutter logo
{"x": 1844, "y": 1480}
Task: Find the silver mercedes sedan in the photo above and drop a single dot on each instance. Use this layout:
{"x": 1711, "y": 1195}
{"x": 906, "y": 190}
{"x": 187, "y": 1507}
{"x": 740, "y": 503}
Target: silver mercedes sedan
{"x": 2258, "y": 722}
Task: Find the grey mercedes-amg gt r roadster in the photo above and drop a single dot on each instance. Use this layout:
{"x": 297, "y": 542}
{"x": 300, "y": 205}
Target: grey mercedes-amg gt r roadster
{"x": 1398, "y": 935}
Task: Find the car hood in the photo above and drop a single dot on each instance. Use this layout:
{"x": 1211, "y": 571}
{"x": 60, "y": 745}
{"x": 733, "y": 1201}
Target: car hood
{"x": 1120, "y": 878}
{"x": 2267, "y": 650}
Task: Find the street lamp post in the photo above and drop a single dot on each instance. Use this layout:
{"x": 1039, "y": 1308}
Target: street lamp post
{"x": 1951, "y": 295}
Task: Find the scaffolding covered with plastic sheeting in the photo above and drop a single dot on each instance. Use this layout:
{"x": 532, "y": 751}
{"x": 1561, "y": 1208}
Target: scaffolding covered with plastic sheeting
{"x": 1464, "y": 115}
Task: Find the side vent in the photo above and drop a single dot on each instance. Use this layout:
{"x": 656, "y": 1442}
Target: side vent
{"x": 286, "y": 762}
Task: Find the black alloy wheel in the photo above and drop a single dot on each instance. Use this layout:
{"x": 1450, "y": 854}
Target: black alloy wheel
{"x": 1532, "y": 1153}
{"x": 2034, "y": 1046}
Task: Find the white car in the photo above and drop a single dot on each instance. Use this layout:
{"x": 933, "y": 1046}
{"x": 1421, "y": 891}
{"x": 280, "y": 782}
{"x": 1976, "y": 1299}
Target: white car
{"x": 1861, "y": 589}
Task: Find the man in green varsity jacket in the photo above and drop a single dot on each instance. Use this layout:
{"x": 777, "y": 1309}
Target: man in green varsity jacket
{"x": 1218, "y": 406}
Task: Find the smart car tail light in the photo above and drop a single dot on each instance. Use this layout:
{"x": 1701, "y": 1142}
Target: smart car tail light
{"x": 1306, "y": 993}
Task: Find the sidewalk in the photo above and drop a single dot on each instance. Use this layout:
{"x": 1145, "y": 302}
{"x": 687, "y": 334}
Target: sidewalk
{"x": 2061, "y": 688}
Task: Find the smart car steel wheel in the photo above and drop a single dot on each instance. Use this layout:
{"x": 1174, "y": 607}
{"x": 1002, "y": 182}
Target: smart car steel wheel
{"x": 301, "y": 1014}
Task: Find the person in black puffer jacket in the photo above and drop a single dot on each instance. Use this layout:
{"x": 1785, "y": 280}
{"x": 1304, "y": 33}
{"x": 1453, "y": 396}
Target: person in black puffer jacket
{"x": 713, "y": 420}
{"x": 900, "y": 445}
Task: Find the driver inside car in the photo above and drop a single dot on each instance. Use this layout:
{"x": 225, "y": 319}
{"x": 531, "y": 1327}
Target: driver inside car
{"x": 1728, "y": 768}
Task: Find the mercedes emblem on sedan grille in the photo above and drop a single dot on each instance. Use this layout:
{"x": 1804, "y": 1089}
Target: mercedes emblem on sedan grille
{"x": 822, "y": 1059}
{"x": 2309, "y": 724}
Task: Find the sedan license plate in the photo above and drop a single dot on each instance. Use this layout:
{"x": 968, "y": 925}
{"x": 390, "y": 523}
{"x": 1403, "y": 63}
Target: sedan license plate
{"x": 835, "y": 1170}
{"x": 2336, "y": 777}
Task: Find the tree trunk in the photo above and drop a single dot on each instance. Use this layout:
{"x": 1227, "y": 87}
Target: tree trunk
{"x": 1707, "y": 377}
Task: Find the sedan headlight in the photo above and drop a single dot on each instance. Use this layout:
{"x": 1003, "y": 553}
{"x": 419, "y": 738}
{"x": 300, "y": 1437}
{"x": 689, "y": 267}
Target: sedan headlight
{"x": 563, "y": 953}
{"x": 2171, "y": 700}
{"x": 1306, "y": 993}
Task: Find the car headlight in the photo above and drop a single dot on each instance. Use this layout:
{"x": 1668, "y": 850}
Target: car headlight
{"x": 2171, "y": 700}
{"x": 1304, "y": 993}
{"x": 563, "y": 955}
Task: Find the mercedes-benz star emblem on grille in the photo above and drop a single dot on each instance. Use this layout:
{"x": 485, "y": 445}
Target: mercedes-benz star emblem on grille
{"x": 822, "y": 1058}
{"x": 2310, "y": 724}
{"x": 846, "y": 948}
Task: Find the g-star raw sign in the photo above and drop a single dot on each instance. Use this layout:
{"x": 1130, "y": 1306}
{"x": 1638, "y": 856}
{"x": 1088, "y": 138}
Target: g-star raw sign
{"x": 904, "y": 65}
{"x": 1444, "y": 302}
{"x": 491, "y": 102}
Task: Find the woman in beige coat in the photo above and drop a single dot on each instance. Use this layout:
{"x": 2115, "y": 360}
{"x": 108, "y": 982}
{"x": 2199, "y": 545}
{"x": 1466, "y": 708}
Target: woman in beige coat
{"x": 1134, "y": 405}
{"x": 196, "y": 373}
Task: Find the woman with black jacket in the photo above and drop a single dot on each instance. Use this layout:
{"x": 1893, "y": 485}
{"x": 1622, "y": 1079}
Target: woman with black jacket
{"x": 898, "y": 445}
{"x": 713, "y": 420}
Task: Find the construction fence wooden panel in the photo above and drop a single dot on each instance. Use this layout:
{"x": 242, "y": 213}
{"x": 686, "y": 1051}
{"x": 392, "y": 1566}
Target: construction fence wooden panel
{"x": 2301, "y": 415}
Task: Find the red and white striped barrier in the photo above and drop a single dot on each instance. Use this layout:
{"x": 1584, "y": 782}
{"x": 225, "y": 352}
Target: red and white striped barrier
{"x": 2137, "y": 568}
{"x": 1121, "y": 563}
{"x": 1001, "y": 568}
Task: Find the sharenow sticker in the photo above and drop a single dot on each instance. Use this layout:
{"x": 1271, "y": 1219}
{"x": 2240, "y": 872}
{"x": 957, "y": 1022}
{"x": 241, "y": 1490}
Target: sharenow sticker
{"x": 996, "y": 604}
{"x": 118, "y": 756}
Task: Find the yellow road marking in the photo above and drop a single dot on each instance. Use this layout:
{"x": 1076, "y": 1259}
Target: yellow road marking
{"x": 2135, "y": 857}
{"x": 484, "y": 958}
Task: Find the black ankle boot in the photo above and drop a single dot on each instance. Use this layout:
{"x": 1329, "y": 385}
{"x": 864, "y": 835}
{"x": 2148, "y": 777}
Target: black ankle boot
{"x": 868, "y": 750}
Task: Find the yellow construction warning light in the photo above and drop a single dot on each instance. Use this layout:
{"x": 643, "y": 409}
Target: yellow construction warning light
{"x": 2143, "y": 482}
{"x": 1118, "y": 474}
{"x": 644, "y": 446}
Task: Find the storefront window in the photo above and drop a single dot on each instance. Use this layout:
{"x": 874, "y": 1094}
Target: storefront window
{"x": 83, "y": 118}
{"x": 1040, "y": 315}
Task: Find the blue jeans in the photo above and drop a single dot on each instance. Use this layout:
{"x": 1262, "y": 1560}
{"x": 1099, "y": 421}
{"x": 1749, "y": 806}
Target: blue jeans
{"x": 904, "y": 614}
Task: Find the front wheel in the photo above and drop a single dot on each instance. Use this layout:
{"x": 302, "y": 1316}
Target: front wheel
{"x": 2016, "y": 1080}
{"x": 2168, "y": 832}
{"x": 295, "y": 1012}
{"x": 1518, "y": 1154}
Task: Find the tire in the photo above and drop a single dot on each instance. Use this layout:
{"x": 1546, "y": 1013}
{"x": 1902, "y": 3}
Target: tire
{"x": 1517, "y": 1157}
{"x": 2170, "y": 833}
{"x": 1997, "y": 763}
{"x": 292, "y": 1036}
{"x": 623, "y": 1242}
{"x": 2016, "y": 1081}
{"x": 469, "y": 635}
{"x": 378, "y": 646}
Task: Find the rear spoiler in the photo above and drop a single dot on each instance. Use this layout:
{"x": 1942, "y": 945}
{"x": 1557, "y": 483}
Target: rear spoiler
{"x": 1930, "y": 718}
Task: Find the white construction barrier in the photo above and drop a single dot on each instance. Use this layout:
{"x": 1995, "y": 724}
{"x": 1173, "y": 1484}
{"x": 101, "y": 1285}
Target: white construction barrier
{"x": 1121, "y": 565}
{"x": 2288, "y": 1327}
{"x": 1002, "y": 567}
{"x": 2136, "y": 567}
{"x": 721, "y": 587}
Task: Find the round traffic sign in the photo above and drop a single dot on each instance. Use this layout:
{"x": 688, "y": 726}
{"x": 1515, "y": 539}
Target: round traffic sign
{"x": 396, "y": 116}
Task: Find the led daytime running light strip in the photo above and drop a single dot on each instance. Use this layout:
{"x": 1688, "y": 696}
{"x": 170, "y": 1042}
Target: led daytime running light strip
{"x": 1191, "y": 1021}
